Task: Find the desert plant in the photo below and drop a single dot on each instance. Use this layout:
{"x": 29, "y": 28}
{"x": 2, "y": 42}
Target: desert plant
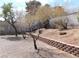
{"x": 32, "y": 6}
{"x": 9, "y": 15}
{"x": 61, "y": 22}
{"x": 78, "y": 19}
{"x": 59, "y": 11}
{"x": 42, "y": 14}
{"x": 33, "y": 37}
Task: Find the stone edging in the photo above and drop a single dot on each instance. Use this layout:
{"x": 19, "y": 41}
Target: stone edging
{"x": 61, "y": 46}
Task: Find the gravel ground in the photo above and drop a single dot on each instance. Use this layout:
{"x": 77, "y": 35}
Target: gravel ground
{"x": 11, "y": 47}
{"x": 71, "y": 36}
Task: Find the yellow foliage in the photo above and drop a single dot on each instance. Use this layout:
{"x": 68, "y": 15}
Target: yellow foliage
{"x": 41, "y": 14}
{"x": 59, "y": 11}
{"x": 44, "y": 12}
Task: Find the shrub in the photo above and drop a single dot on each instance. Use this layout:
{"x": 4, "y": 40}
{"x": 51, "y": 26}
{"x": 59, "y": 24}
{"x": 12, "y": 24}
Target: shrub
{"x": 60, "y": 22}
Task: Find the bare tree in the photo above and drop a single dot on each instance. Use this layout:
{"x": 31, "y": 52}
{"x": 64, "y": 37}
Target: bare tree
{"x": 35, "y": 38}
{"x": 61, "y": 22}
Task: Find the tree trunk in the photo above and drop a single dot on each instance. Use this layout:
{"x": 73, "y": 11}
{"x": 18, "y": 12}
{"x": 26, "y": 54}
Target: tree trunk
{"x": 35, "y": 46}
{"x": 65, "y": 26}
{"x": 16, "y": 32}
{"x": 34, "y": 41}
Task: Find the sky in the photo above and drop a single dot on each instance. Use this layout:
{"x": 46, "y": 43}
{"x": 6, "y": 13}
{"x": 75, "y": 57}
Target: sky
{"x": 20, "y": 4}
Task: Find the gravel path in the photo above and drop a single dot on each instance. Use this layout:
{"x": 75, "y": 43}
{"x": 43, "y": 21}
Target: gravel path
{"x": 20, "y": 48}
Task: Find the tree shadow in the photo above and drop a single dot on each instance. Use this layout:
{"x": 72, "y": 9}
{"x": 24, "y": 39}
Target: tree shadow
{"x": 52, "y": 53}
{"x": 14, "y": 38}
{"x": 45, "y": 53}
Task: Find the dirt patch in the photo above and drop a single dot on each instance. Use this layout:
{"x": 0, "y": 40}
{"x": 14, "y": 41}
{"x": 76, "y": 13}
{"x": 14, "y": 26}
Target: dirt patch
{"x": 70, "y": 37}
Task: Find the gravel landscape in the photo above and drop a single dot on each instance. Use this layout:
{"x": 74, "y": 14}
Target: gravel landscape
{"x": 39, "y": 29}
{"x": 12, "y": 47}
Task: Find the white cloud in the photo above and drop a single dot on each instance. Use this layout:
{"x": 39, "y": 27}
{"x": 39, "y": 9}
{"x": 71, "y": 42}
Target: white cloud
{"x": 45, "y": 1}
{"x": 0, "y": 10}
{"x": 21, "y": 1}
{"x": 42, "y": 1}
{"x": 2, "y": 19}
{"x": 67, "y": 1}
